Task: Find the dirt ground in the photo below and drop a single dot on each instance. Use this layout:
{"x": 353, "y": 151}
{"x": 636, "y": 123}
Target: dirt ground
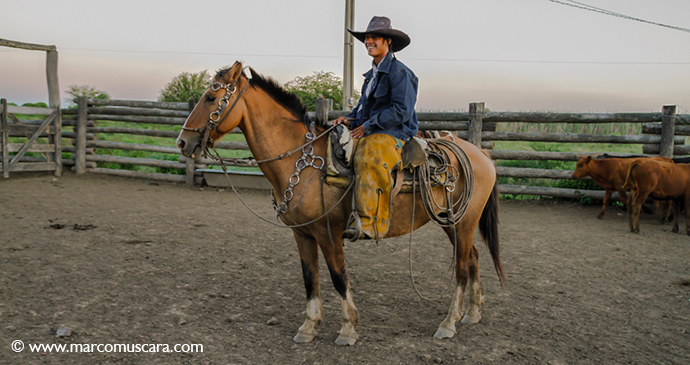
{"x": 126, "y": 261}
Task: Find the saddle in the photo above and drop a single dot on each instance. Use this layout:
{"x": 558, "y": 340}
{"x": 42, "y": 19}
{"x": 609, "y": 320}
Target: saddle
{"x": 415, "y": 154}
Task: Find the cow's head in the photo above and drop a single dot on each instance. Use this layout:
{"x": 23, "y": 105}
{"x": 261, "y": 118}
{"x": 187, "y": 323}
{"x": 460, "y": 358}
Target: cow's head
{"x": 582, "y": 168}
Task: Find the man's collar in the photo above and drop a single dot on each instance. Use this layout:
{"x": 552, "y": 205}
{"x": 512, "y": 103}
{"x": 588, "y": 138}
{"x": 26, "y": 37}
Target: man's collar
{"x": 374, "y": 67}
{"x": 384, "y": 65}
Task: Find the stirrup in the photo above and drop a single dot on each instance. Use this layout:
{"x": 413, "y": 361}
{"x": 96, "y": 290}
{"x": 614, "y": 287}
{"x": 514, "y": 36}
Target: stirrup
{"x": 354, "y": 222}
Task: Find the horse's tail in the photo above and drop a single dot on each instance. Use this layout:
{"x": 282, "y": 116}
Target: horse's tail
{"x": 629, "y": 179}
{"x": 488, "y": 227}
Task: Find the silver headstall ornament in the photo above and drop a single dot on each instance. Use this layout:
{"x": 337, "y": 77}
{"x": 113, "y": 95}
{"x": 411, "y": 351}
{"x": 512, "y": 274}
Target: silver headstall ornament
{"x": 308, "y": 159}
{"x": 214, "y": 118}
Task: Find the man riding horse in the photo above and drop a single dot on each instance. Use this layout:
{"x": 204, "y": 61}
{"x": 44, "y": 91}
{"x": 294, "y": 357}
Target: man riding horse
{"x": 385, "y": 120}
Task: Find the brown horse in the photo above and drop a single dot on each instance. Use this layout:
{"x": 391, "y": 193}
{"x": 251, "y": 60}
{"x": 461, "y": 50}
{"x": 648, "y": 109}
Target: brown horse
{"x": 274, "y": 122}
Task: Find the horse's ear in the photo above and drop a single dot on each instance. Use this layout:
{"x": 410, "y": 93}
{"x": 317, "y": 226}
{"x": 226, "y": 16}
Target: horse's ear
{"x": 588, "y": 159}
{"x": 236, "y": 71}
{"x": 233, "y": 73}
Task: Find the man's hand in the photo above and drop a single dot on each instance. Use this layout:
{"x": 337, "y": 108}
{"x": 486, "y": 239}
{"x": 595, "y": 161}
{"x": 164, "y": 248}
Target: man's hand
{"x": 358, "y": 132}
{"x": 341, "y": 120}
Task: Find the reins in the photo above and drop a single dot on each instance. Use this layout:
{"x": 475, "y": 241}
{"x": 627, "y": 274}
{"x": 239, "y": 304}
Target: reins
{"x": 227, "y": 177}
{"x": 293, "y": 181}
{"x": 289, "y": 153}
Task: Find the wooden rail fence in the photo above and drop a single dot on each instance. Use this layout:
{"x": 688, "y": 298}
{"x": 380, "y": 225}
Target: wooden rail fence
{"x": 96, "y": 123}
{"x": 21, "y": 140}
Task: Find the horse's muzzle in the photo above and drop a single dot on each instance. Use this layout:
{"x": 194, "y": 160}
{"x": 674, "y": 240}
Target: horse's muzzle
{"x": 189, "y": 145}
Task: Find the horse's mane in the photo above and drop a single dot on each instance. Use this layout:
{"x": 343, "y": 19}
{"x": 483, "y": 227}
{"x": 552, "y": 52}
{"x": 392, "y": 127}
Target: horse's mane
{"x": 283, "y": 97}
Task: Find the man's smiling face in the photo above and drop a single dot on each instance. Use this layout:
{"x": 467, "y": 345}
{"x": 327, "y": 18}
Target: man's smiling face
{"x": 377, "y": 46}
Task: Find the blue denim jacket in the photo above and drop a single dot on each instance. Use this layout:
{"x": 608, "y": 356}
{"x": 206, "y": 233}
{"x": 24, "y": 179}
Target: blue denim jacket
{"x": 389, "y": 108}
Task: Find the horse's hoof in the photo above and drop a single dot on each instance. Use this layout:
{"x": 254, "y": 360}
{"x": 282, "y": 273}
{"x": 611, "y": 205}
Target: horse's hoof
{"x": 346, "y": 340}
{"x": 600, "y": 216}
{"x": 442, "y": 333}
{"x": 674, "y": 229}
{"x": 467, "y": 319}
{"x": 688, "y": 232}
{"x": 302, "y": 337}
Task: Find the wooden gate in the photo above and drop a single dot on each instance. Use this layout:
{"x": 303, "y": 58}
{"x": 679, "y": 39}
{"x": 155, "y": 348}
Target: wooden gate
{"x": 41, "y": 138}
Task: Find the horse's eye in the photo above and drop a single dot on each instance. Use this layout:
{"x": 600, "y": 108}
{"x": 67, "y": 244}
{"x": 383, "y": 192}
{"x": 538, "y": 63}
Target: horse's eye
{"x": 210, "y": 98}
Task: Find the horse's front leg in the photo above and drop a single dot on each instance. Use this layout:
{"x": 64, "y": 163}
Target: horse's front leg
{"x": 309, "y": 257}
{"x": 335, "y": 259}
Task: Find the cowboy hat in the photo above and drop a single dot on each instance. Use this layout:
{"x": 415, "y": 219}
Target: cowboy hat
{"x": 381, "y": 25}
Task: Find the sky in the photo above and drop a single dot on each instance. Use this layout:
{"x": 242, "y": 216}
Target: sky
{"x": 513, "y": 55}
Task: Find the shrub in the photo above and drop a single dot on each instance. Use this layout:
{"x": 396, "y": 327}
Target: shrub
{"x": 186, "y": 86}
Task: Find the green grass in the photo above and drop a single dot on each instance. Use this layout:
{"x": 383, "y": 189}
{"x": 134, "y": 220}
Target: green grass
{"x": 580, "y": 128}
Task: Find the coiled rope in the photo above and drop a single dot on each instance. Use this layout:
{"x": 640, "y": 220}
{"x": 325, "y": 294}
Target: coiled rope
{"x": 443, "y": 215}
{"x": 448, "y": 213}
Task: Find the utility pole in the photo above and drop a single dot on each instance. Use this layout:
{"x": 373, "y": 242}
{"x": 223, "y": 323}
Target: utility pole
{"x": 348, "y": 55}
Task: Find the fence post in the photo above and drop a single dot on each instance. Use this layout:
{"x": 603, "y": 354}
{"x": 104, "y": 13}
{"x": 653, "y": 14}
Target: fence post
{"x": 321, "y": 110}
{"x": 4, "y": 129}
{"x": 191, "y": 169}
{"x": 79, "y": 154}
{"x": 52, "y": 76}
{"x": 57, "y": 140}
{"x": 474, "y": 135}
{"x": 668, "y": 130}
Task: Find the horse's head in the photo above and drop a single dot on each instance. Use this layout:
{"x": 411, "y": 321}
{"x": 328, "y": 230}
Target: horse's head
{"x": 219, "y": 111}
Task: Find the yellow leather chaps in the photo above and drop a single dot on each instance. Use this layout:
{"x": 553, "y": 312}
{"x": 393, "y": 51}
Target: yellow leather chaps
{"x": 376, "y": 156}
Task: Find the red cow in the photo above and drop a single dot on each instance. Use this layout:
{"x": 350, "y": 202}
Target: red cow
{"x": 609, "y": 173}
{"x": 660, "y": 180}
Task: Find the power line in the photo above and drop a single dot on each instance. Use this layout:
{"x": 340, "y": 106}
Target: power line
{"x": 408, "y": 58}
{"x": 579, "y": 5}
{"x": 548, "y": 62}
{"x": 198, "y": 53}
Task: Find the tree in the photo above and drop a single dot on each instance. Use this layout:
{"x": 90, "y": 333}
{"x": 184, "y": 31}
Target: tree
{"x": 86, "y": 90}
{"x": 186, "y": 86}
{"x": 320, "y": 84}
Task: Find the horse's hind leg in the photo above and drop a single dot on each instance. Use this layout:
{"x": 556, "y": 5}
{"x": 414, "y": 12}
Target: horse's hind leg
{"x": 476, "y": 298}
{"x": 465, "y": 263}
{"x": 308, "y": 253}
{"x": 335, "y": 259}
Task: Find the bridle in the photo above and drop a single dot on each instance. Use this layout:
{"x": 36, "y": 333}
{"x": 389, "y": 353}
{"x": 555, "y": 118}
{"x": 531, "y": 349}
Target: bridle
{"x": 214, "y": 121}
{"x": 214, "y": 118}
